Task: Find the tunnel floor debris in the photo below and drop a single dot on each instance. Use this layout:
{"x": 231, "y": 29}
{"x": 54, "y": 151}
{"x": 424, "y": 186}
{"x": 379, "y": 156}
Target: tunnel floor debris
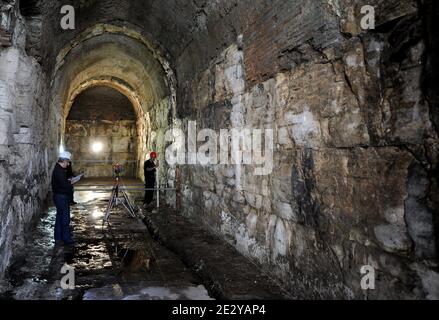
{"x": 121, "y": 260}
{"x": 118, "y": 261}
{"x": 226, "y": 273}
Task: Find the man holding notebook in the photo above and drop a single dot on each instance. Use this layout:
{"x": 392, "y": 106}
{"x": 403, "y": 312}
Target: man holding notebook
{"x": 62, "y": 189}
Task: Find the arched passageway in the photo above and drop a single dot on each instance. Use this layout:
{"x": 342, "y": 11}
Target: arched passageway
{"x": 101, "y": 131}
{"x": 349, "y": 116}
{"x": 106, "y": 55}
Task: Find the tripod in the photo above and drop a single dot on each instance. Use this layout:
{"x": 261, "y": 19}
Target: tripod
{"x": 115, "y": 199}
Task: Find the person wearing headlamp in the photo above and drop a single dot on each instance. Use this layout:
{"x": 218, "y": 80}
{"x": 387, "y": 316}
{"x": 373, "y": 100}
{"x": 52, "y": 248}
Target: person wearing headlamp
{"x": 62, "y": 189}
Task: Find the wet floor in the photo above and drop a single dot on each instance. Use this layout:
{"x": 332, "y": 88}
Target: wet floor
{"x": 117, "y": 260}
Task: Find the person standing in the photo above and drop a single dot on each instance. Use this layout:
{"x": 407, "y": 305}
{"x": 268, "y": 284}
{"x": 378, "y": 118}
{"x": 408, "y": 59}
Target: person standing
{"x": 149, "y": 170}
{"x": 71, "y": 175}
{"x": 62, "y": 190}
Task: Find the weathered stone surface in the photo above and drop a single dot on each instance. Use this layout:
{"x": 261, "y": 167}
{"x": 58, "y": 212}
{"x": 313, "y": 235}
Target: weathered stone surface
{"x": 354, "y": 115}
{"x": 295, "y": 24}
{"x": 418, "y": 216}
{"x": 5, "y": 130}
{"x": 284, "y": 137}
{"x": 392, "y": 238}
{"x": 254, "y": 200}
{"x": 349, "y": 120}
{"x": 25, "y": 158}
{"x": 118, "y": 141}
{"x": 430, "y": 281}
{"x": 285, "y": 211}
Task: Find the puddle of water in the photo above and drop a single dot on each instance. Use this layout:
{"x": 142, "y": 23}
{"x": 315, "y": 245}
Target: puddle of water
{"x": 37, "y": 275}
{"x": 37, "y": 256}
{"x": 135, "y": 260}
{"x": 97, "y": 214}
{"x": 117, "y": 292}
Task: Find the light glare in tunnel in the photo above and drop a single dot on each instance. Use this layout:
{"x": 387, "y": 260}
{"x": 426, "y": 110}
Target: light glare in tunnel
{"x": 97, "y": 147}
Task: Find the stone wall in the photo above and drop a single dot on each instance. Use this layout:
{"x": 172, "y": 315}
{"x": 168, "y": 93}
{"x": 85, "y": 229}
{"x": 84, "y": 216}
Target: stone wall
{"x": 355, "y": 150}
{"x": 354, "y": 115}
{"x": 25, "y": 135}
{"x": 118, "y": 139}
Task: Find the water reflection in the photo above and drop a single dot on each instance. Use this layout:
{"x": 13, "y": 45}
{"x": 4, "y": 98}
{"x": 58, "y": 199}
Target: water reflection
{"x": 97, "y": 214}
{"x": 138, "y": 292}
{"x": 115, "y": 261}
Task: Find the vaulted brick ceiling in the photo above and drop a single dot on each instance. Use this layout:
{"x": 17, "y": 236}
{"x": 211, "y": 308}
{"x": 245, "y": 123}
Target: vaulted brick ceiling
{"x": 102, "y": 103}
{"x": 174, "y": 26}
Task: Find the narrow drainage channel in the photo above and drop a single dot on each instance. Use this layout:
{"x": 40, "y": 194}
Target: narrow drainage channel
{"x": 118, "y": 261}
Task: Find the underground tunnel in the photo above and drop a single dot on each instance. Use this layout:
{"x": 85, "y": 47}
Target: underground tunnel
{"x": 101, "y": 127}
{"x": 296, "y": 141}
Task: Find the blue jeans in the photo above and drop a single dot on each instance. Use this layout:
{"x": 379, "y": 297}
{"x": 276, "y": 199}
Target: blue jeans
{"x": 62, "y": 223}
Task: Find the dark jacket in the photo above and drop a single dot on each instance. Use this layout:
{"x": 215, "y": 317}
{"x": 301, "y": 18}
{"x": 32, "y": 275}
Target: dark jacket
{"x": 69, "y": 171}
{"x": 60, "y": 183}
{"x": 149, "y": 175}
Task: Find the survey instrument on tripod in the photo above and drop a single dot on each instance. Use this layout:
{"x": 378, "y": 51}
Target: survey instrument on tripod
{"x": 119, "y": 195}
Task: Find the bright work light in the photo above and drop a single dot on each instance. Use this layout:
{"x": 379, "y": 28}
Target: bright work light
{"x": 97, "y": 147}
